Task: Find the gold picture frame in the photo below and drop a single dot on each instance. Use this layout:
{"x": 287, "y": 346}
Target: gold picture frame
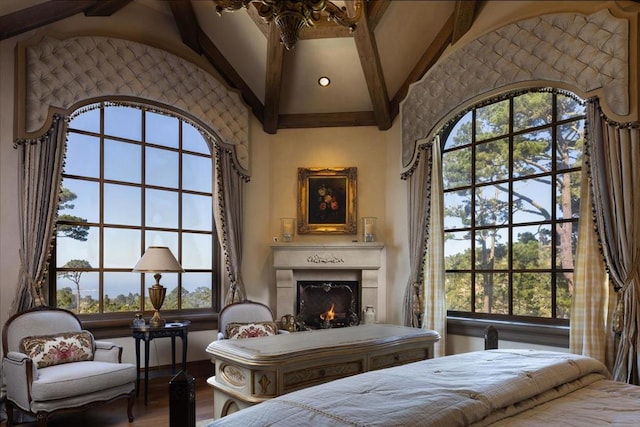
{"x": 327, "y": 200}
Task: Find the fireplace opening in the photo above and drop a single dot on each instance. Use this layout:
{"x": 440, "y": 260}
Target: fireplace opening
{"x": 327, "y": 304}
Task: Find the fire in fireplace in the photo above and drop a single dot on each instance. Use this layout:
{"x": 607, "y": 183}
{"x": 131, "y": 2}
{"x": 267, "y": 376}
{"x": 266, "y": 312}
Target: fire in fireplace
{"x": 322, "y": 305}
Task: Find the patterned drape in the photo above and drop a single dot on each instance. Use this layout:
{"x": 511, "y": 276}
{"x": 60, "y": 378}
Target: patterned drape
{"x": 228, "y": 214}
{"x": 41, "y": 163}
{"x": 615, "y": 175}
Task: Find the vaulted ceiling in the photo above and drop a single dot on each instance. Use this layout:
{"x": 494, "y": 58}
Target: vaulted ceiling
{"x": 394, "y": 45}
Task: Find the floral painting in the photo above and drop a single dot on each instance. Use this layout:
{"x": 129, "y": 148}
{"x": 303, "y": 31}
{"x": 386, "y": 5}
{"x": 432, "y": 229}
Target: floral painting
{"x": 326, "y": 200}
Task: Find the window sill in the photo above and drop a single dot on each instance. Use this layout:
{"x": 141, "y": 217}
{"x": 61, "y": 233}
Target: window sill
{"x": 530, "y": 333}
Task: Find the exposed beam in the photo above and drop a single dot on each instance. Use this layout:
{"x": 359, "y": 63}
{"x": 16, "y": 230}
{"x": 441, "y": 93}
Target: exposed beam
{"x": 106, "y": 7}
{"x": 376, "y": 10}
{"x": 229, "y": 74}
{"x": 464, "y": 13}
{"x": 302, "y": 121}
{"x": 273, "y": 81}
{"x": 372, "y": 68}
{"x": 30, "y": 18}
{"x": 428, "y": 59}
{"x": 187, "y": 23}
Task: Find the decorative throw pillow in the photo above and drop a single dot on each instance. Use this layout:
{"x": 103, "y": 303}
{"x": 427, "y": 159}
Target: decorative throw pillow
{"x": 48, "y": 350}
{"x": 251, "y": 330}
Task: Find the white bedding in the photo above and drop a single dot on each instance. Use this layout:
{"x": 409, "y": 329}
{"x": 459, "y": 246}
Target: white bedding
{"x": 478, "y": 389}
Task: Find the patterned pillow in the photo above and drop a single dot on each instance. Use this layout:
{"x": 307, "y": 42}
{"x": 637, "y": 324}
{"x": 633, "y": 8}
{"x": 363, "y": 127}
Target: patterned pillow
{"x": 48, "y": 350}
{"x": 251, "y": 330}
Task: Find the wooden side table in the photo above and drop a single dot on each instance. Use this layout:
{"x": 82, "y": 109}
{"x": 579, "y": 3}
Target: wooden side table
{"x": 147, "y": 333}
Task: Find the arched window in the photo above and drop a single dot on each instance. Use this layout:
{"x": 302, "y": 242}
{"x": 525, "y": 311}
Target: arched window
{"x": 133, "y": 178}
{"x": 511, "y": 179}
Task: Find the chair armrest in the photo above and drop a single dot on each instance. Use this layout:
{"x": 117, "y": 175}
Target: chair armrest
{"x": 107, "y": 352}
{"x": 19, "y": 371}
{"x": 220, "y": 336}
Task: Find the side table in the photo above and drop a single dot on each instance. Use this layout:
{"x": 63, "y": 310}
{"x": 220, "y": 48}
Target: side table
{"x": 147, "y": 333}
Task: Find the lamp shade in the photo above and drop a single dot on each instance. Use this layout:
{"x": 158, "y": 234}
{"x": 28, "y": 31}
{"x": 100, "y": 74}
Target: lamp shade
{"x": 157, "y": 259}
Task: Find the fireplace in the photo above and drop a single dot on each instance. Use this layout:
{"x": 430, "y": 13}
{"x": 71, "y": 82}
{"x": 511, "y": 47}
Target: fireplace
{"x": 327, "y": 304}
{"x": 350, "y": 262}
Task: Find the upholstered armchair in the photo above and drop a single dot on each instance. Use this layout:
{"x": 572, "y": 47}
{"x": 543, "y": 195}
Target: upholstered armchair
{"x": 246, "y": 319}
{"x": 52, "y": 365}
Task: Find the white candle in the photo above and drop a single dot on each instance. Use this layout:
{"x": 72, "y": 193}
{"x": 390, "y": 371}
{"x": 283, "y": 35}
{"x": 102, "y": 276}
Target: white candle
{"x": 368, "y": 228}
{"x": 288, "y": 228}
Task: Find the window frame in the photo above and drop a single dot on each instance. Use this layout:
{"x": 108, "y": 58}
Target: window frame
{"x": 531, "y": 329}
{"x": 114, "y": 324}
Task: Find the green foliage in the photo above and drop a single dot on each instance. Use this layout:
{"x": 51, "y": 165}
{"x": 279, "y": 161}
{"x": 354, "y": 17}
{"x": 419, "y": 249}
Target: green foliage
{"x": 64, "y": 229}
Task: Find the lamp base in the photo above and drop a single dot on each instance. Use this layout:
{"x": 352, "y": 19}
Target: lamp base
{"x": 156, "y": 321}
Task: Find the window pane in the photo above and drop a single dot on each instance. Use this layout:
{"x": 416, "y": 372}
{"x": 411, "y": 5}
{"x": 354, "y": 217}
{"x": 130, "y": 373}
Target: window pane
{"x": 570, "y": 141}
{"x": 192, "y": 140}
{"x": 162, "y": 129}
{"x": 461, "y": 132}
{"x": 121, "y": 291}
{"x": 122, "y": 161}
{"x": 532, "y": 110}
{"x": 196, "y": 173}
{"x": 161, "y": 167}
{"x": 564, "y": 290}
{"x": 532, "y": 247}
{"x": 566, "y": 244}
{"x": 492, "y": 121}
{"x": 88, "y": 120}
{"x": 78, "y": 289}
{"x": 122, "y": 205}
{"x": 568, "y": 195}
{"x": 80, "y": 200}
{"x": 492, "y": 161}
{"x": 457, "y": 206}
{"x": 532, "y": 200}
{"x": 456, "y": 168}
{"x": 121, "y": 247}
{"x": 162, "y": 209}
{"x": 197, "y": 251}
{"x": 82, "y": 156}
{"x": 492, "y": 248}
{"x": 492, "y": 205}
{"x": 125, "y": 122}
{"x": 569, "y": 107}
{"x": 197, "y": 290}
{"x": 492, "y": 293}
{"x": 457, "y": 250}
{"x": 532, "y": 294}
{"x": 458, "y": 289}
{"x": 197, "y": 213}
{"x": 68, "y": 249}
{"x": 532, "y": 153}
{"x": 162, "y": 238}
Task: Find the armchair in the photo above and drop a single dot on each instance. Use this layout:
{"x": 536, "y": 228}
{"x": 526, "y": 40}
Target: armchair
{"x": 51, "y": 365}
{"x": 246, "y": 312}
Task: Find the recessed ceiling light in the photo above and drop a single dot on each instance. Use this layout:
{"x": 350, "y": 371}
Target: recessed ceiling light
{"x": 324, "y": 81}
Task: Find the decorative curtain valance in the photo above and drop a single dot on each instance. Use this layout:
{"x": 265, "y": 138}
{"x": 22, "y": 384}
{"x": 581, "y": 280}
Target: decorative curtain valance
{"x": 59, "y": 75}
{"x": 584, "y": 52}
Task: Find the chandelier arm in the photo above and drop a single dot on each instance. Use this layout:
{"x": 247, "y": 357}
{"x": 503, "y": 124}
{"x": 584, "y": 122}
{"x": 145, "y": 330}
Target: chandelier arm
{"x": 340, "y": 16}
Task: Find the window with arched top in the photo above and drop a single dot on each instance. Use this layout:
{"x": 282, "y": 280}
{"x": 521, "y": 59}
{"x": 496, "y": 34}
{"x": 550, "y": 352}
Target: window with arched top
{"x": 511, "y": 177}
{"x": 133, "y": 177}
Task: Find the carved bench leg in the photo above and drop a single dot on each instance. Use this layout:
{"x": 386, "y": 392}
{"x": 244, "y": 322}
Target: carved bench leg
{"x": 131, "y": 400}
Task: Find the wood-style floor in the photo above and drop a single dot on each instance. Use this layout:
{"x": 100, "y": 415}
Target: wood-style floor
{"x": 155, "y": 414}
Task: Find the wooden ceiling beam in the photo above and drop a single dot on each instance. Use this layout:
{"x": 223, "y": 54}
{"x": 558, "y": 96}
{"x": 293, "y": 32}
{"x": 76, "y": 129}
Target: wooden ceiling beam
{"x": 347, "y": 119}
{"x": 106, "y": 7}
{"x": 273, "y": 80}
{"x": 464, "y": 14}
{"x": 39, "y": 15}
{"x": 372, "y": 68}
{"x": 185, "y": 18}
{"x": 376, "y": 10}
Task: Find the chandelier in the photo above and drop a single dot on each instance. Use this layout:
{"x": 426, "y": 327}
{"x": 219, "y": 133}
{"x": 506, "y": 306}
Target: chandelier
{"x": 291, "y": 16}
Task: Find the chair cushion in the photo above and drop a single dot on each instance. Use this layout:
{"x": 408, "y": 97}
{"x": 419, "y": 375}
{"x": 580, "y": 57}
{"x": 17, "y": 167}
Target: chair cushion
{"x": 236, "y": 330}
{"x": 80, "y": 378}
{"x": 49, "y": 350}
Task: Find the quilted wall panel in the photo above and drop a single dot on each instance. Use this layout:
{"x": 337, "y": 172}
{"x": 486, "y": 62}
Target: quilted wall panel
{"x": 584, "y": 52}
{"x": 64, "y": 73}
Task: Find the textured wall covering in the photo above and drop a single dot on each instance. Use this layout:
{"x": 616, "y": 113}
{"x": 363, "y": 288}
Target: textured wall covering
{"x": 585, "y": 52}
{"x": 64, "y": 73}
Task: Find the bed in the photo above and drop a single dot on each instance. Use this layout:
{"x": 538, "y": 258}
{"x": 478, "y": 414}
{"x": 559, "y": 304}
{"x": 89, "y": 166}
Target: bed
{"x": 484, "y": 388}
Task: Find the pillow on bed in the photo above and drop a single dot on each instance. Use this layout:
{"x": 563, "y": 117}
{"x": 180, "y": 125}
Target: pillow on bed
{"x": 49, "y": 350}
{"x": 237, "y": 330}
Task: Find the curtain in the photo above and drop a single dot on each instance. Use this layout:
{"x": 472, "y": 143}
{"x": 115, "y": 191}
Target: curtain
{"x": 418, "y": 212}
{"x": 435, "y": 307}
{"x": 228, "y": 214}
{"x": 615, "y": 174}
{"x": 39, "y": 182}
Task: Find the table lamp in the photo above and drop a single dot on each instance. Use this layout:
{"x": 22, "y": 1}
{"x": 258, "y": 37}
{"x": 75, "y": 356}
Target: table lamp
{"x": 157, "y": 259}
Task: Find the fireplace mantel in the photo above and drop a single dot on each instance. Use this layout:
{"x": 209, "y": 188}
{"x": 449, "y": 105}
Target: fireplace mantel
{"x": 335, "y": 261}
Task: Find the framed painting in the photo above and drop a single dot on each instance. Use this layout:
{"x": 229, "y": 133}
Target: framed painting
{"x": 327, "y": 200}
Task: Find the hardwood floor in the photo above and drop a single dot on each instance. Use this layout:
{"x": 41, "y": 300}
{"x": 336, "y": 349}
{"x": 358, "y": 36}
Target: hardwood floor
{"x": 155, "y": 414}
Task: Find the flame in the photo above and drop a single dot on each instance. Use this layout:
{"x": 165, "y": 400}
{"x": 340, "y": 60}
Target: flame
{"x": 328, "y": 315}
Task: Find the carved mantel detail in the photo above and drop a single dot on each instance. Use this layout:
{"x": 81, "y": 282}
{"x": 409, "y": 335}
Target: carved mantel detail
{"x": 324, "y": 259}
